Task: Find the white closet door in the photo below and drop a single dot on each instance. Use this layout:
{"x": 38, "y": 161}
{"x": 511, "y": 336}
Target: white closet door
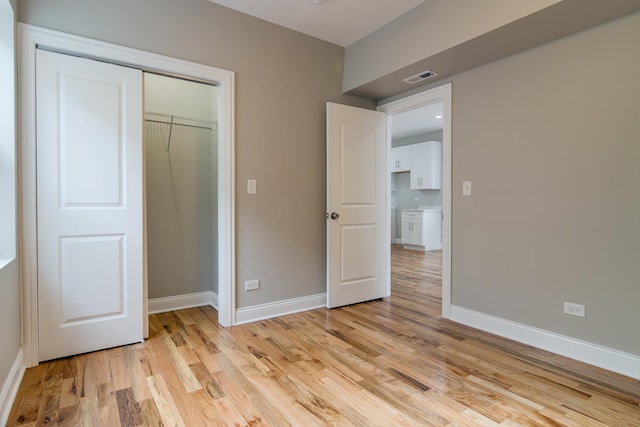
{"x": 89, "y": 201}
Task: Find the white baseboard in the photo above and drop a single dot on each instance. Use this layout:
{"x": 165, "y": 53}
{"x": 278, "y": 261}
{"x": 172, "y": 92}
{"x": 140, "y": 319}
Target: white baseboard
{"x": 583, "y": 351}
{"x": 10, "y": 388}
{"x": 280, "y": 308}
{"x": 179, "y": 302}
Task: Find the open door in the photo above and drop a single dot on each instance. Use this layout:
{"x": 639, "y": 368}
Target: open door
{"x": 356, "y": 205}
{"x": 89, "y": 205}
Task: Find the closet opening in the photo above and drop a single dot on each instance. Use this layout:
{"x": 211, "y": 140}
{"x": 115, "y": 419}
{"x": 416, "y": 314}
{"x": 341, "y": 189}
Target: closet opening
{"x": 181, "y": 182}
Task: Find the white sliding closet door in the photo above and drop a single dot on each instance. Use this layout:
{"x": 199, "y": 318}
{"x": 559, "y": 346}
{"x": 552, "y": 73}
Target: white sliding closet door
{"x": 89, "y": 202}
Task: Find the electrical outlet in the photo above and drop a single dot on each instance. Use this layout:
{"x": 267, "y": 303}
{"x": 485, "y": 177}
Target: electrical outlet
{"x": 574, "y": 309}
{"x": 251, "y": 285}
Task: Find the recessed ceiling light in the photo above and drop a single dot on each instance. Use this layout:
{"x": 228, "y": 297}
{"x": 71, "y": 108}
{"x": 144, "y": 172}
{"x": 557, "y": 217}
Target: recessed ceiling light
{"x": 437, "y": 117}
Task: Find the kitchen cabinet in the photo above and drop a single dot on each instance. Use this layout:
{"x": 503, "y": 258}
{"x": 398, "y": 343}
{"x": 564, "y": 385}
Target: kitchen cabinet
{"x": 422, "y": 229}
{"x": 426, "y": 165}
{"x": 401, "y": 159}
{"x": 412, "y": 228}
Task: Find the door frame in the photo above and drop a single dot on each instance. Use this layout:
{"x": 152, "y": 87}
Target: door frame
{"x": 438, "y": 94}
{"x": 32, "y": 37}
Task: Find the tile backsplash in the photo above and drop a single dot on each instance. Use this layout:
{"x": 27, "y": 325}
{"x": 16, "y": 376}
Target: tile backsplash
{"x": 405, "y": 198}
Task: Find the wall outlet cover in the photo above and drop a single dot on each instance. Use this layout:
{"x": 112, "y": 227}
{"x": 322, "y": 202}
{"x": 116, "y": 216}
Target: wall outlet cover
{"x": 251, "y": 285}
{"x": 574, "y": 309}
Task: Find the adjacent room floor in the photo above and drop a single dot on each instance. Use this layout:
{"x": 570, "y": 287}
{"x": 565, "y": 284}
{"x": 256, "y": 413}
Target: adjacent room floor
{"x": 389, "y": 362}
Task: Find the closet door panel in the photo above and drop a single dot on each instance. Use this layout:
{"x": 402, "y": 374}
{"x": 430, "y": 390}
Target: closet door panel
{"x": 89, "y": 203}
{"x": 91, "y": 138}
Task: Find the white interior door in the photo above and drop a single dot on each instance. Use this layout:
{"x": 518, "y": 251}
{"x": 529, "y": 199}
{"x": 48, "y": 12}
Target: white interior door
{"x": 356, "y": 206}
{"x": 89, "y": 205}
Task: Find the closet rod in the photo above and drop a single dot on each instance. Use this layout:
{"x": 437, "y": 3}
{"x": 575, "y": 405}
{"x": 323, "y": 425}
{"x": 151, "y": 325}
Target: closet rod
{"x": 178, "y": 124}
{"x": 171, "y": 120}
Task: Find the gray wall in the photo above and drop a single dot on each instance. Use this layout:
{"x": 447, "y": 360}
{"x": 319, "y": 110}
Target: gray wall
{"x": 431, "y": 28}
{"x": 549, "y": 138}
{"x": 283, "y": 81}
{"x": 10, "y": 309}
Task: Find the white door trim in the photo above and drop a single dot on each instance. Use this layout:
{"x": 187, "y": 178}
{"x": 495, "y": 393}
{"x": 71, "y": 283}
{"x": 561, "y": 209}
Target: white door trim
{"x": 31, "y": 37}
{"x": 441, "y": 93}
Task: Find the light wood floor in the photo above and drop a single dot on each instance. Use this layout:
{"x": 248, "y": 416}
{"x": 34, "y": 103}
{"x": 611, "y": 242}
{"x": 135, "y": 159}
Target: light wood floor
{"x": 384, "y": 363}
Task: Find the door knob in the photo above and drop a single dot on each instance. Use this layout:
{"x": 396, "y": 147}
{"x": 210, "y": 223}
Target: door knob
{"x": 334, "y": 215}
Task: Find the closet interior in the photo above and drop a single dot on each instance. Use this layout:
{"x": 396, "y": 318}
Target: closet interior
{"x": 181, "y": 170}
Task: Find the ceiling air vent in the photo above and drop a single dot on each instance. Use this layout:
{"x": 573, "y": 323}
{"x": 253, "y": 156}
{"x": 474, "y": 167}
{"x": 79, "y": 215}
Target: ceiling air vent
{"x": 420, "y": 77}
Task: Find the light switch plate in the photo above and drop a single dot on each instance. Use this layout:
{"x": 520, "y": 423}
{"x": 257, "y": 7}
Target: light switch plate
{"x": 466, "y": 188}
{"x": 252, "y": 187}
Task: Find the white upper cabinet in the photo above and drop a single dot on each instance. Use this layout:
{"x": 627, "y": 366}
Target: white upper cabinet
{"x": 401, "y": 159}
{"x": 426, "y": 165}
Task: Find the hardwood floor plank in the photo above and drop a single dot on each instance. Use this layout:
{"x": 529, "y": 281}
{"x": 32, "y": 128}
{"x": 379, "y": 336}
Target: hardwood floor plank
{"x": 70, "y": 416}
{"x": 241, "y": 401}
{"x": 108, "y": 415}
{"x": 26, "y": 405}
{"x": 230, "y": 414}
{"x": 166, "y": 406}
{"x": 210, "y": 385}
{"x": 364, "y": 402}
{"x": 149, "y": 415}
{"x": 128, "y": 408}
{"x": 89, "y": 413}
{"x": 389, "y": 362}
{"x": 48, "y": 411}
{"x": 69, "y": 392}
{"x": 312, "y": 402}
{"x": 181, "y": 367}
{"x": 102, "y": 371}
{"x": 137, "y": 377}
{"x": 118, "y": 369}
{"x": 106, "y": 395}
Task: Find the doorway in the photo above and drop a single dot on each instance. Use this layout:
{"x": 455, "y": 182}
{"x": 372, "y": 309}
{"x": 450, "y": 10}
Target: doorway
{"x": 33, "y": 38}
{"x": 417, "y": 117}
{"x": 181, "y": 182}
{"x": 416, "y": 193}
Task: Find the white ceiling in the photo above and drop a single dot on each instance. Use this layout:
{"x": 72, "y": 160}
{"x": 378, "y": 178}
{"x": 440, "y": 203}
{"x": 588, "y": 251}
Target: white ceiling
{"x": 341, "y": 22}
{"x": 417, "y": 121}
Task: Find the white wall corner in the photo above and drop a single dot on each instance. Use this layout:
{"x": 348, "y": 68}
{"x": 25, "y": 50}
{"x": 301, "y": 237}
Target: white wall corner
{"x": 280, "y": 308}
{"x": 180, "y": 302}
{"x": 583, "y": 351}
{"x": 10, "y": 388}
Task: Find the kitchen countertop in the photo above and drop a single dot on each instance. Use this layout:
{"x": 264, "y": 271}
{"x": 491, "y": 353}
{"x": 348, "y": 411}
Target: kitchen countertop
{"x": 423, "y": 208}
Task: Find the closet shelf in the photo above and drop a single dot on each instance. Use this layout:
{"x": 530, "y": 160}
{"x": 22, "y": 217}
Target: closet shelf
{"x": 171, "y": 120}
